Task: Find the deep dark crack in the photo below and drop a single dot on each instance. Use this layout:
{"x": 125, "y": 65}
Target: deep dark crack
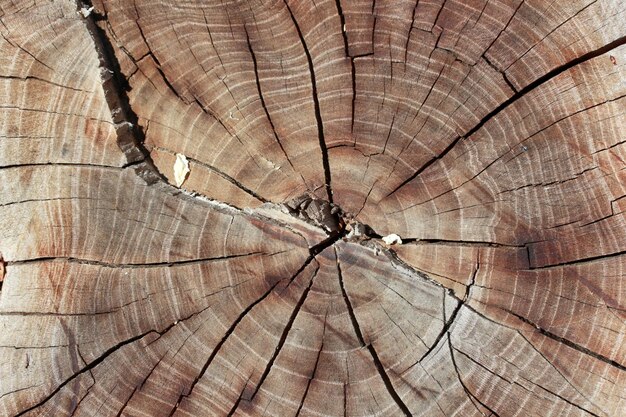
{"x": 382, "y": 371}
{"x": 316, "y": 102}
{"x": 569, "y": 343}
{"x": 130, "y": 135}
{"x": 514, "y": 98}
{"x": 317, "y": 212}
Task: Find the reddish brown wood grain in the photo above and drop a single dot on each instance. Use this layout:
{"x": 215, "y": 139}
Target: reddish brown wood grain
{"x": 487, "y": 134}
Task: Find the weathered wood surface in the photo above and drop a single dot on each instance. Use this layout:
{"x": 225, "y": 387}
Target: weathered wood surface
{"x": 489, "y": 135}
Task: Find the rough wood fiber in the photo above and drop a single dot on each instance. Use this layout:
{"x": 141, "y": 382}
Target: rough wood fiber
{"x": 488, "y": 134}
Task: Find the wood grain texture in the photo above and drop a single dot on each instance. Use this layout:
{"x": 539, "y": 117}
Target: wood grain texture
{"x": 487, "y": 134}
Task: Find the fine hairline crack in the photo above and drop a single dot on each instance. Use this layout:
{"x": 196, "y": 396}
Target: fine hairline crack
{"x": 238, "y": 320}
{"x": 372, "y": 351}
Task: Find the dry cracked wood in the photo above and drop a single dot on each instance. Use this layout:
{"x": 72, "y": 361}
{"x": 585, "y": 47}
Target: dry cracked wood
{"x": 488, "y": 134}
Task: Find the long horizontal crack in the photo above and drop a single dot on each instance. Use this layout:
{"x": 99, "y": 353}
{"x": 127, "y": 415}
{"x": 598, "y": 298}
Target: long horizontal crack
{"x": 448, "y": 242}
{"x": 400, "y": 265}
{"x": 579, "y": 261}
{"x": 62, "y": 164}
{"x": 43, "y": 200}
{"x": 139, "y": 265}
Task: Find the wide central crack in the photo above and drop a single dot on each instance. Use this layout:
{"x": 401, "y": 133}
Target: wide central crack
{"x": 328, "y": 216}
{"x": 320, "y": 213}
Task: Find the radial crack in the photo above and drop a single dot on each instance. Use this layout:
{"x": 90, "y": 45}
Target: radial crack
{"x": 342, "y": 22}
{"x": 317, "y": 360}
{"x": 446, "y": 328}
{"x": 568, "y": 342}
{"x": 281, "y": 343}
{"x": 227, "y": 178}
{"x": 229, "y": 332}
{"x": 316, "y": 102}
{"x": 262, "y": 98}
{"x": 469, "y": 394}
{"x": 379, "y": 366}
{"x": 426, "y": 165}
{"x": 578, "y": 261}
{"x": 519, "y": 94}
{"x": 512, "y": 382}
{"x": 88, "y": 367}
{"x": 119, "y": 414}
{"x": 545, "y": 78}
{"x": 450, "y": 242}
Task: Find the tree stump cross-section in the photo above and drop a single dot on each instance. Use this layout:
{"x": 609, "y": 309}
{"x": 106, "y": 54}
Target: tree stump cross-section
{"x": 322, "y": 208}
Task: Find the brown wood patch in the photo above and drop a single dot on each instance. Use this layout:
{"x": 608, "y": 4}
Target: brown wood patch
{"x": 321, "y": 208}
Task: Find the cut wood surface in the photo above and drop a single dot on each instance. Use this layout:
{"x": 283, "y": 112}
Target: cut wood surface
{"x": 489, "y": 135}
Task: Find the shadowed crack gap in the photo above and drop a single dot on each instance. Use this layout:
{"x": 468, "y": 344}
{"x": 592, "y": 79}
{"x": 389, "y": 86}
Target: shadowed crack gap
{"x": 130, "y": 136}
{"x": 342, "y": 22}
